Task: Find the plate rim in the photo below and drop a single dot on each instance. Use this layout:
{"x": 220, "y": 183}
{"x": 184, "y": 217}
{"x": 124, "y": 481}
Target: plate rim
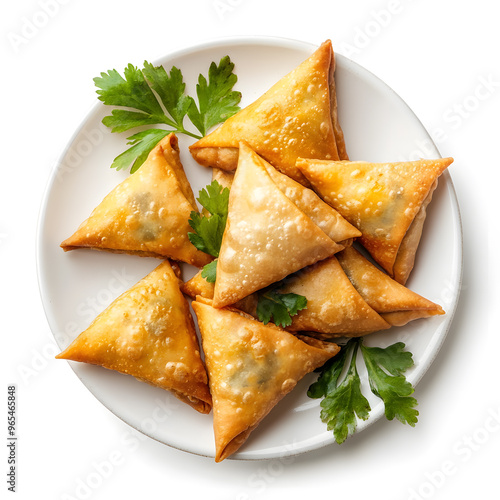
{"x": 276, "y": 42}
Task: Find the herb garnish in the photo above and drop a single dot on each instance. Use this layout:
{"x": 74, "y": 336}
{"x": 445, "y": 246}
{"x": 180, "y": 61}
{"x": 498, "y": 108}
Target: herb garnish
{"x": 343, "y": 401}
{"x": 154, "y": 96}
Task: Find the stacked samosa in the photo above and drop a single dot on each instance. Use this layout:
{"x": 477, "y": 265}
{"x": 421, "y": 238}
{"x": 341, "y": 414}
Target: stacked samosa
{"x": 297, "y": 117}
{"x": 269, "y": 214}
{"x": 347, "y": 296}
{"x": 386, "y": 201}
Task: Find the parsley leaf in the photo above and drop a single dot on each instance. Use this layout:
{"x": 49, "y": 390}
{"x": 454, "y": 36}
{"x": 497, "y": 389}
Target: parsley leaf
{"x": 209, "y": 272}
{"x": 392, "y": 388}
{"x": 208, "y": 233}
{"x": 344, "y": 400}
{"x": 216, "y": 98}
{"x": 154, "y": 96}
{"x": 330, "y": 373}
{"x": 279, "y": 306}
{"x": 170, "y": 88}
{"x": 215, "y": 200}
{"x": 393, "y": 358}
{"x": 142, "y": 144}
{"x": 132, "y": 92}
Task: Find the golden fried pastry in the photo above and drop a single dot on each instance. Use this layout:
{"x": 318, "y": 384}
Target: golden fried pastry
{"x": 383, "y": 200}
{"x": 198, "y": 286}
{"x": 267, "y": 236}
{"x": 394, "y": 302}
{"x": 297, "y": 117}
{"x": 147, "y": 214}
{"x": 334, "y": 307}
{"x": 148, "y": 332}
{"x": 251, "y": 367}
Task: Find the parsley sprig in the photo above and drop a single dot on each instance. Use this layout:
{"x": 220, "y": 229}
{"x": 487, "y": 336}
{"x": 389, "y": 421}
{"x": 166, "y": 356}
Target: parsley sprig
{"x": 153, "y": 96}
{"x": 343, "y": 401}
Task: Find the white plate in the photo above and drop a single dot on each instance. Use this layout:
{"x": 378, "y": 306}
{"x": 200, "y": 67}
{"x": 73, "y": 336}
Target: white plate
{"x": 76, "y": 286}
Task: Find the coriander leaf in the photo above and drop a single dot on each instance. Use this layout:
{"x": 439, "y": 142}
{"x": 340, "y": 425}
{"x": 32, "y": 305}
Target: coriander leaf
{"x": 217, "y": 101}
{"x": 293, "y": 302}
{"x": 142, "y": 144}
{"x": 131, "y": 91}
{"x": 154, "y": 96}
{"x": 344, "y": 401}
{"x": 209, "y": 272}
{"x": 279, "y": 306}
{"x": 209, "y": 228}
{"x": 122, "y": 120}
{"x": 265, "y": 309}
{"x": 394, "y": 390}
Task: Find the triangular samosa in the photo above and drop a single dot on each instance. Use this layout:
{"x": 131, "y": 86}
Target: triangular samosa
{"x": 394, "y": 302}
{"x": 147, "y": 214}
{"x": 334, "y": 307}
{"x": 297, "y": 117}
{"x": 148, "y": 332}
{"x": 251, "y": 367}
{"x": 382, "y": 200}
{"x": 267, "y": 237}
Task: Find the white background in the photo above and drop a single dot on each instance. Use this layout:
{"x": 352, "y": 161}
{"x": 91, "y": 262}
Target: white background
{"x": 441, "y": 57}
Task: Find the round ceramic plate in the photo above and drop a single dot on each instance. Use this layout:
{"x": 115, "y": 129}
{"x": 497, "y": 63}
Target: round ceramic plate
{"x": 76, "y": 286}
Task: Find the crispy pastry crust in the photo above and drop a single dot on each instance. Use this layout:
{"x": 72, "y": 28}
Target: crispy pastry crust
{"x": 394, "y": 302}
